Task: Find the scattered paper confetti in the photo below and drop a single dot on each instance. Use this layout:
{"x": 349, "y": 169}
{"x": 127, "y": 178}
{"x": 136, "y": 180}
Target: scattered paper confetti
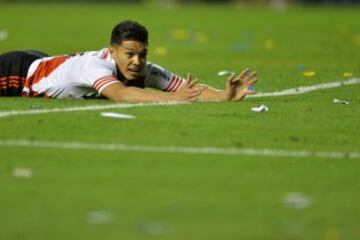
{"x": 3, "y": 35}
{"x": 225, "y": 72}
{"x": 244, "y": 44}
{"x": 338, "y": 101}
{"x": 153, "y": 229}
{"x": 356, "y": 39}
{"x": 241, "y": 47}
{"x": 247, "y": 35}
{"x": 117, "y": 115}
{"x": 343, "y": 29}
{"x": 99, "y": 217}
{"x": 297, "y": 200}
{"x": 269, "y": 44}
{"x": 180, "y": 34}
{"x": 331, "y": 234}
{"x": 160, "y": 51}
{"x": 301, "y": 67}
{"x": 262, "y": 108}
{"x": 200, "y": 37}
{"x": 309, "y": 73}
{"x": 22, "y": 173}
{"x": 347, "y": 74}
{"x": 252, "y": 88}
{"x": 36, "y": 106}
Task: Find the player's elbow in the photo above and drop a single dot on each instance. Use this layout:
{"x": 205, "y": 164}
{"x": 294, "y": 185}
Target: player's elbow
{"x": 116, "y": 93}
{"x": 121, "y": 95}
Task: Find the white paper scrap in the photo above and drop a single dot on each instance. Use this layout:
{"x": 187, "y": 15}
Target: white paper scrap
{"x": 22, "y": 173}
{"x": 99, "y": 217}
{"x": 297, "y": 200}
{"x": 117, "y": 115}
{"x": 3, "y": 35}
{"x": 153, "y": 228}
{"x": 261, "y": 108}
{"x": 338, "y": 101}
{"x": 225, "y": 72}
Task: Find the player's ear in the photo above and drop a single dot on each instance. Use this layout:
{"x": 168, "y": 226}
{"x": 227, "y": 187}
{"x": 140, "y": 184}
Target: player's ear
{"x": 114, "y": 49}
{"x": 111, "y": 49}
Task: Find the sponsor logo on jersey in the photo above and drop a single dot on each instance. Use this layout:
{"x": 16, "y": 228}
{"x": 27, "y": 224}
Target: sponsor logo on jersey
{"x": 164, "y": 75}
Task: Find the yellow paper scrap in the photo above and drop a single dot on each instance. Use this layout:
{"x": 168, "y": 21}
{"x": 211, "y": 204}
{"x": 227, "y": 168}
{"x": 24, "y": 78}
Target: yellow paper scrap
{"x": 160, "y": 51}
{"x": 180, "y": 34}
{"x": 309, "y": 73}
{"x": 200, "y": 37}
{"x": 331, "y": 234}
{"x": 357, "y": 39}
{"x": 269, "y": 44}
{"x": 347, "y": 74}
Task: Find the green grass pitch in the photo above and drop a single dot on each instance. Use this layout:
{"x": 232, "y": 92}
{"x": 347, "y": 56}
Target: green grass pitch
{"x": 96, "y": 194}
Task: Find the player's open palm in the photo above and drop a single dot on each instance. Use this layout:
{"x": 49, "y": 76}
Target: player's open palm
{"x": 237, "y": 86}
{"x": 189, "y": 91}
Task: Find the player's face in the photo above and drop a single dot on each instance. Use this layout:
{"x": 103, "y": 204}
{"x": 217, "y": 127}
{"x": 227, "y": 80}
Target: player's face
{"x": 130, "y": 58}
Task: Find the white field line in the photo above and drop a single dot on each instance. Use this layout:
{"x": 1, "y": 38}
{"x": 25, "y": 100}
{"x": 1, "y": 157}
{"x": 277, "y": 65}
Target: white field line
{"x": 306, "y": 89}
{"x": 84, "y": 108}
{"x": 291, "y": 91}
{"x": 179, "y": 149}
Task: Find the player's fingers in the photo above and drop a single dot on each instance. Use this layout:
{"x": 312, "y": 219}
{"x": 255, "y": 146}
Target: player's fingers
{"x": 244, "y": 73}
{"x": 193, "y": 99}
{"x": 193, "y": 83}
{"x": 231, "y": 77}
{"x": 251, "y": 75}
{"x": 188, "y": 78}
{"x": 194, "y": 94}
{"x": 247, "y": 76}
{"x": 251, "y": 82}
{"x": 235, "y": 81}
{"x": 194, "y": 90}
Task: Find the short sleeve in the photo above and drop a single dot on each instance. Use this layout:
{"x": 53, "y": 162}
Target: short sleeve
{"x": 99, "y": 73}
{"x": 159, "y": 78}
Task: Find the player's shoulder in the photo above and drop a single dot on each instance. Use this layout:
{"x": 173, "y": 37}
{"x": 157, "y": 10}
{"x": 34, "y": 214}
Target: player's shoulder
{"x": 156, "y": 71}
{"x": 99, "y": 59}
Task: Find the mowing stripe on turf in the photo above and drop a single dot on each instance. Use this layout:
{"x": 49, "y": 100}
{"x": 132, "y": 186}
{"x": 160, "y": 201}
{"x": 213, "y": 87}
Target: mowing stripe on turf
{"x": 179, "y": 149}
{"x": 291, "y": 91}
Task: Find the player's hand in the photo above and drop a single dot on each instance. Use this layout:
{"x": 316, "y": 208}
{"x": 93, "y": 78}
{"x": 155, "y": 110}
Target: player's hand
{"x": 189, "y": 91}
{"x": 237, "y": 85}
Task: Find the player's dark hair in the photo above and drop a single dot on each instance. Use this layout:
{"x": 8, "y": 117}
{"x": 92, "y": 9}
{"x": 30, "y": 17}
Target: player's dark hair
{"x": 128, "y": 31}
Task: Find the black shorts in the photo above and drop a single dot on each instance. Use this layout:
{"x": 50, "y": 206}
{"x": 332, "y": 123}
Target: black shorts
{"x": 13, "y": 70}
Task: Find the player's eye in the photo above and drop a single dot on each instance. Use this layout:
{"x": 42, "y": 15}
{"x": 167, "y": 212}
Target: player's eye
{"x": 130, "y": 54}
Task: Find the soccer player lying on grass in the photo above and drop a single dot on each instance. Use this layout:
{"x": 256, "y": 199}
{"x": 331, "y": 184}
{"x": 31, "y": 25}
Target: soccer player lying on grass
{"x": 120, "y": 73}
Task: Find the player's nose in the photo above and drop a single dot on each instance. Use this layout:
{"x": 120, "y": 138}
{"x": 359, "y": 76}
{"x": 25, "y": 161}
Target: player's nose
{"x": 136, "y": 60}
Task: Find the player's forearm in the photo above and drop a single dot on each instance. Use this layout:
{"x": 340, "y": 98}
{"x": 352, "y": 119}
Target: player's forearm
{"x": 209, "y": 93}
{"x": 133, "y": 94}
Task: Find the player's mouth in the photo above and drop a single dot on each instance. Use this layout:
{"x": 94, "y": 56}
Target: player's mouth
{"x": 135, "y": 71}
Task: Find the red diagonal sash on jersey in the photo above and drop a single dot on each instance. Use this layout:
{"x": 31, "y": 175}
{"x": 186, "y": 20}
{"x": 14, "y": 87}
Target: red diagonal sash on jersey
{"x": 43, "y": 70}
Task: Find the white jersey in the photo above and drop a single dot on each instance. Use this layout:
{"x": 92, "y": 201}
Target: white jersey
{"x": 87, "y": 74}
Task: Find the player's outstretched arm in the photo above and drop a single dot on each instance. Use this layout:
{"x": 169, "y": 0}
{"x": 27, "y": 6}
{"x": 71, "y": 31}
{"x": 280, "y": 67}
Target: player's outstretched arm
{"x": 236, "y": 88}
{"x": 118, "y": 92}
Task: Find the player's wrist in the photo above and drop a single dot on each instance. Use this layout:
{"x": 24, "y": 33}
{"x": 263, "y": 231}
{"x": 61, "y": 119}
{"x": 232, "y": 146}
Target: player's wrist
{"x": 173, "y": 96}
{"x": 224, "y": 96}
